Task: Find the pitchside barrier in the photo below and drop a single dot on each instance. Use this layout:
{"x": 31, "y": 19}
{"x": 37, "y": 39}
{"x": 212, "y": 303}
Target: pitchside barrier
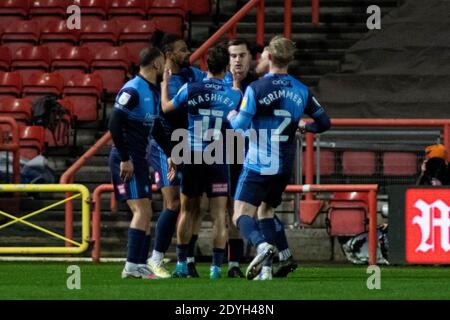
{"x": 79, "y": 192}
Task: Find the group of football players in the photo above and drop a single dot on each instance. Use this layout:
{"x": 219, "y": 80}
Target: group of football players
{"x": 169, "y": 98}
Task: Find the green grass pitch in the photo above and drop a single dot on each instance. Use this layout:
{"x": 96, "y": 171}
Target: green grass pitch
{"x": 32, "y": 280}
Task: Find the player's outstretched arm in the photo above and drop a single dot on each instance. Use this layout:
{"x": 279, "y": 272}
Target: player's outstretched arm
{"x": 166, "y": 103}
{"x": 321, "y": 122}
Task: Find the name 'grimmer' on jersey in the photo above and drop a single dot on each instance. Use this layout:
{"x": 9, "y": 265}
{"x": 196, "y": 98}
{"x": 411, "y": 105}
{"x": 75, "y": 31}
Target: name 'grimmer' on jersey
{"x": 280, "y": 94}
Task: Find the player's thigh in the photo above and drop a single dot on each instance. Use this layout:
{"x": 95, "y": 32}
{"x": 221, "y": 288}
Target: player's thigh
{"x": 137, "y": 187}
{"x": 216, "y": 181}
{"x": 252, "y": 188}
{"x": 158, "y": 161}
{"x": 278, "y": 184}
{"x": 192, "y": 181}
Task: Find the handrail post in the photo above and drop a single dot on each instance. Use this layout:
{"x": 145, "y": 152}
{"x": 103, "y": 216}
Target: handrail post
{"x": 260, "y": 23}
{"x": 372, "y": 227}
{"x": 309, "y": 163}
{"x": 288, "y": 19}
{"x": 315, "y": 12}
{"x": 447, "y": 137}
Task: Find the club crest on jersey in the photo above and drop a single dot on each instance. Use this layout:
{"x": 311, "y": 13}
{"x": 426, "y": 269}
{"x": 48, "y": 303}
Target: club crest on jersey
{"x": 124, "y": 98}
{"x": 157, "y": 177}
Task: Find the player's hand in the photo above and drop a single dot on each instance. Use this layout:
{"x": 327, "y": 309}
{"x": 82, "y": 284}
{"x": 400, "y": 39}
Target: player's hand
{"x": 238, "y": 76}
{"x": 126, "y": 170}
{"x": 167, "y": 75}
{"x": 302, "y": 126}
{"x": 172, "y": 172}
{"x": 231, "y": 114}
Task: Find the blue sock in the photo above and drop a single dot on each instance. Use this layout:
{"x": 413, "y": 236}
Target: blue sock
{"x": 165, "y": 227}
{"x": 191, "y": 247}
{"x": 218, "y": 255}
{"x": 280, "y": 235}
{"x": 182, "y": 252}
{"x": 145, "y": 249}
{"x": 249, "y": 230}
{"x": 267, "y": 227}
{"x": 136, "y": 239}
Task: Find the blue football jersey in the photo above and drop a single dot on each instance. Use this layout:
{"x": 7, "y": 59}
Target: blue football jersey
{"x": 272, "y": 108}
{"x": 177, "y": 120}
{"x": 139, "y": 100}
{"x": 207, "y": 104}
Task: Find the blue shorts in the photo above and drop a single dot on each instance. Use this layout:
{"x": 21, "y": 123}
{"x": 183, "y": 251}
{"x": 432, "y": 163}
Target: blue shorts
{"x": 255, "y": 188}
{"x": 234, "y": 174}
{"x": 199, "y": 178}
{"x": 157, "y": 159}
{"x": 138, "y": 187}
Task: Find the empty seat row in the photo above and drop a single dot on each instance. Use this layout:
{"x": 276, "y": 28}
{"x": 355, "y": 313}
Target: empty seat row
{"x": 107, "y": 62}
{"x": 134, "y": 36}
{"x": 172, "y": 14}
{"x": 84, "y": 90}
{"x": 364, "y": 163}
{"x": 100, "y": 8}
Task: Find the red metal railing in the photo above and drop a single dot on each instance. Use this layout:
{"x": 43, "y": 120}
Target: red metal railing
{"x": 309, "y": 156}
{"x": 371, "y": 189}
{"x": 230, "y": 28}
{"x": 315, "y": 12}
{"x": 69, "y": 176}
{"x": 288, "y": 19}
{"x": 13, "y": 146}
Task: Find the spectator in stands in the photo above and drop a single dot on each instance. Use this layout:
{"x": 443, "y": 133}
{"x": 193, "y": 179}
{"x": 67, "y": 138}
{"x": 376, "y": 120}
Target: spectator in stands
{"x": 435, "y": 168}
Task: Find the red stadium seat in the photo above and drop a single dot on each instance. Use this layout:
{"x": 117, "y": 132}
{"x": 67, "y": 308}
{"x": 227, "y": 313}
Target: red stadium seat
{"x": 56, "y": 35}
{"x": 69, "y": 61}
{"x": 5, "y": 59}
{"x": 327, "y": 162}
{"x": 125, "y": 11}
{"x": 13, "y": 8}
{"x": 45, "y": 8}
{"x": 19, "y": 109}
{"x": 92, "y": 10}
{"x": 169, "y": 14}
{"x": 399, "y": 163}
{"x": 111, "y": 64}
{"x": 135, "y": 37}
{"x": 199, "y": 7}
{"x": 347, "y": 218}
{"x": 20, "y": 33}
{"x": 99, "y": 34}
{"x": 40, "y": 84}
{"x": 85, "y": 93}
{"x": 362, "y": 163}
{"x": 10, "y": 84}
{"x": 31, "y": 141}
{"x": 29, "y": 60}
